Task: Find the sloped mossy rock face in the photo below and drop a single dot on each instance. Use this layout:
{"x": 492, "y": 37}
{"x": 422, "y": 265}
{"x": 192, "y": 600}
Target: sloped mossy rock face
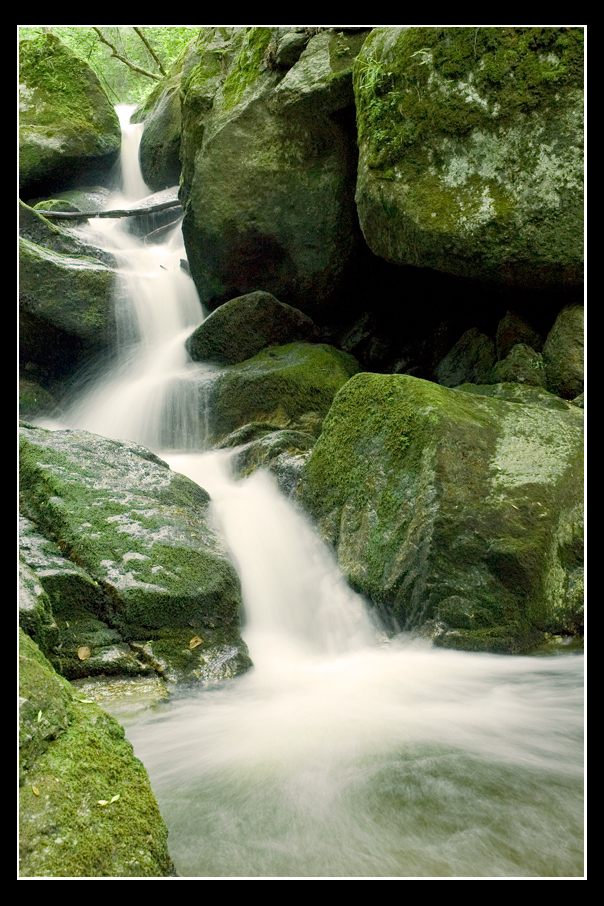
{"x": 68, "y": 128}
{"x": 457, "y": 515}
{"x": 136, "y": 576}
{"x": 268, "y": 170}
{"x": 86, "y": 808}
{"x": 471, "y": 151}
{"x": 289, "y": 386}
{"x": 66, "y": 308}
{"x": 244, "y": 326}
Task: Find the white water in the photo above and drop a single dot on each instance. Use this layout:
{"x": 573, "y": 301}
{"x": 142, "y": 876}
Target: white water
{"x": 339, "y": 755}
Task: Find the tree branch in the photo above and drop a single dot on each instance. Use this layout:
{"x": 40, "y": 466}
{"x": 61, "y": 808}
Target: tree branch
{"x": 150, "y": 49}
{"x": 115, "y": 53}
{"x": 124, "y": 212}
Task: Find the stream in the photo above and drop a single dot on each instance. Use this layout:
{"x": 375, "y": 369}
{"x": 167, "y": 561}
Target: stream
{"x": 341, "y": 753}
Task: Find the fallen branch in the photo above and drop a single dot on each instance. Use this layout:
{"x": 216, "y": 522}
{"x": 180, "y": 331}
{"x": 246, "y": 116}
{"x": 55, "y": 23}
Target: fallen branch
{"x": 124, "y": 212}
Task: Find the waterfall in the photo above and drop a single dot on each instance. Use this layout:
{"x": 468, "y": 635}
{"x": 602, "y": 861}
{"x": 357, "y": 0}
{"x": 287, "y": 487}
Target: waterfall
{"x": 340, "y": 754}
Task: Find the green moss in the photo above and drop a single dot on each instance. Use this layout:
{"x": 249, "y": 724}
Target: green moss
{"x": 372, "y": 417}
{"x": 280, "y": 385}
{"x": 73, "y": 292}
{"x": 246, "y": 68}
{"x": 86, "y": 808}
{"x": 451, "y": 516}
{"x": 492, "y": 73}
{"x": 151, "y": 551}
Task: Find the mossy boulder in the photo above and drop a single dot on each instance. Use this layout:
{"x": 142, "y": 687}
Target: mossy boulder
{"x": 457, "y": 515}
{"x": 66, "y": 308}
{"x": 471, "y": 151}
{"x": 470, "y": 360}
{"x": 289, "y": 386}
{"x": 282, "y": 452}
{"x": 69, "y": 132}
{"x": 244, "y": 326}
{"x": 159, "y": 151}
{"x": 124, "y": 550}
{"x": 521, "y": 366}
{"x": 268, "y": 172}
{"x": 86, "y": 808}
{"x": 563, "y": 353}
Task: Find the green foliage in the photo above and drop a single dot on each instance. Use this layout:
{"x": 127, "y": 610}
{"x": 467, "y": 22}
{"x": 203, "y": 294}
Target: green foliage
{"x": 121, "y": 83}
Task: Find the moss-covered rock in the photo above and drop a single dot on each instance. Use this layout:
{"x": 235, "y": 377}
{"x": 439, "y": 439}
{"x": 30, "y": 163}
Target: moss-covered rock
{"x": 66, "y": 308}
{"x": 159, "y": 151}
{"x": 471, "y": 151}
{"x": 244, "y": 326}
{"x": 563, "y": 353}
{"x": 521, "y": 366}
{"x": 86, "y": 808}
{"x": 124, "y": 550}
{"x": 282, "y": 452}
{"x": 512, "y": 330}
{"x": 470, "y": 360}
{"x": 68, "y": 128}
{"x": 289, "y": 386}
{"x": 458, "y": 515}
{"x": 268, "y": 173}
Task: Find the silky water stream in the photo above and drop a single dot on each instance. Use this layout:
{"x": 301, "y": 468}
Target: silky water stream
{"x": 340, "y": 754}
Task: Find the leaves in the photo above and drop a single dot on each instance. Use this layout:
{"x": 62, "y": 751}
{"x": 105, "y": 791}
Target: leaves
{"x": 104, "y": 802}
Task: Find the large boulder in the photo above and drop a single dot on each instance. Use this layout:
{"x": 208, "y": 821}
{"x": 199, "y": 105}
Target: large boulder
{"x": 159, "y": 151}
{"x": 66, "y": 308}
{"x": 458, "y": 515}
{"x": 471, "y": 151}
{"x": 86, "y": 808}
{"x": 125, "y": 551}
{"x": 289, "y": 386}
{"x": 268, "y": 169}
{"x": 69, "y": 132}
{"x": 244, "y": 326}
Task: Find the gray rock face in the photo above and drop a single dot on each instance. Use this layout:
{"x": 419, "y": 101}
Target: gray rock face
{"x": 471, "y": 151}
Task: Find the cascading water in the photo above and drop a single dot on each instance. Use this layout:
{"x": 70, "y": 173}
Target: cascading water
{"x": 339, "y": 754}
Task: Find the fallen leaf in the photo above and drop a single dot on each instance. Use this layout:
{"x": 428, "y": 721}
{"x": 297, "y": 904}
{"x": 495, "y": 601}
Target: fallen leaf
{"x": 195, "y": 641}
{"x": 36, "y": 790}
{"x": 115, "y": 798}
{"x": 83, "y": 652}
{"x": 102, "y": 802}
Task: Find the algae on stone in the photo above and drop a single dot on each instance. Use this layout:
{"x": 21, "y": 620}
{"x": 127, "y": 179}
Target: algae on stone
{"x": 282, "y": 386}
{"x": 457, "y": 515}
{"x": 86, "y": 808}
{"x": 126, "y": 552}
{"x": 471, "y": 151}
{"x": 68, "y": 127}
